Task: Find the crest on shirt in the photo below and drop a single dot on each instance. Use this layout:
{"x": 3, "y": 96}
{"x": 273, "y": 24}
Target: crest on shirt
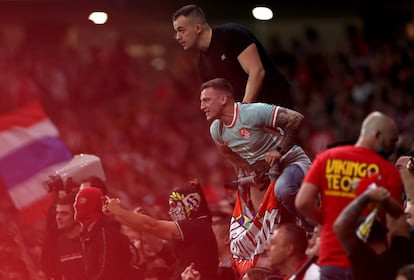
{"x": 223, "y": 57}
{"x": 244, "y": 132}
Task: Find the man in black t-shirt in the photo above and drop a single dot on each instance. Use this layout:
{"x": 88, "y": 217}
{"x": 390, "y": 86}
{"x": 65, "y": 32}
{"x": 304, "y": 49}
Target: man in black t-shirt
{"x": 232, "y": 52}
{"x": 379, "y": 252}
{"x": 62, "y": 253}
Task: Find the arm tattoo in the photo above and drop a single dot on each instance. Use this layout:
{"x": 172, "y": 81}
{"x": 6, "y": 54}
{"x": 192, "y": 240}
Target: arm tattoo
{"x": 290, "y": 121}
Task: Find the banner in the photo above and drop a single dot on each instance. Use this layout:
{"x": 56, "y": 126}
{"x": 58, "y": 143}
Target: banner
{"x": 250, "y": 232}
{"x": 30, "y": 151}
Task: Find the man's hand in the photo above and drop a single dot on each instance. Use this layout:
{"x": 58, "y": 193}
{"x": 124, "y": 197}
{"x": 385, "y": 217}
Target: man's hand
{"x": 378, "y": 194}
{"x": 272, "y": 157}
{"x": 190, "y": 273}
{"x": 110, "y": 205}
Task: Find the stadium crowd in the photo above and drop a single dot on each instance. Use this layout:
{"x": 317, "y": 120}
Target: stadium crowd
{"x": 147, "y": 128}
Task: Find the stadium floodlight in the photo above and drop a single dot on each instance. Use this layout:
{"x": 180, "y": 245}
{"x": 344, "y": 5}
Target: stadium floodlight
{"x": 98, "y": 17}
{"x": 262, "y": 13}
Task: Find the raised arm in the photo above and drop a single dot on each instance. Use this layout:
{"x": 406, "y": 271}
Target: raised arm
{"x": 407, "y": 176}
{"x": 166, "y": 230}
{"x": 249, "y": 60}
{"x": 346, "y": 223}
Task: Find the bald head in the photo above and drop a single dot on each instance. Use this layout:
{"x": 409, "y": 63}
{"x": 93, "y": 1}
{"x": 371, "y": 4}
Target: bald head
{"x": 380, "y": 133}
{"x": 377, "y": 121}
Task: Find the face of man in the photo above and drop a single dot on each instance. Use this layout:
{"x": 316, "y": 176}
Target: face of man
{"x": 402, "y": 162}
{"x": 186, "y": 32}
{"x": 388, "y": 141}
{"x": 211, "y": 103}
{"x": 409, "y": 213}
{"x": 65, "y": 216}
{"x": 277, "y": 249}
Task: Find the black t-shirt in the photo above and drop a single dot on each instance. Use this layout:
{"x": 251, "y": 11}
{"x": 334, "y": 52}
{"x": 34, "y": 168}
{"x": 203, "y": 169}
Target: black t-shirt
{"x": 107, "y": 252}
{"x": 199, "y": 246}
{"x": 363, "y": 260}
{"x": 367, "y": 265}
{"x": 220, "y": 61}
{"x": 70, "y": 253}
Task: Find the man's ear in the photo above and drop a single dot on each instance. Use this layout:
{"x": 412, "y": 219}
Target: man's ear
{"x": 223, "y": 99}
{"x": 198, "y": 28}
{"x": 290, "y": 249}
{"x": 378, "y": 134}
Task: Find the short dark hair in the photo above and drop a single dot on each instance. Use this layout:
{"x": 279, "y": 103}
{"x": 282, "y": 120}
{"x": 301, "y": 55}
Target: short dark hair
{"x": 190, "y": 11}
{"x": 218, "y": 83}
{"x": 97, "y": 182}
{"x": 402, "y": 152}
{"x": 66, "y": 200}
{"x": 408, "y": 154}
{"x": 296, "y": 235}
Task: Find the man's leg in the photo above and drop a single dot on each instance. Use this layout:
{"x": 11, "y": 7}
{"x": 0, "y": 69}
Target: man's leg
{"x": 286, "y": 188}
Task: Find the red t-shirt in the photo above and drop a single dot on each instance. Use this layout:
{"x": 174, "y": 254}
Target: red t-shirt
{"x": 337, "y": 172}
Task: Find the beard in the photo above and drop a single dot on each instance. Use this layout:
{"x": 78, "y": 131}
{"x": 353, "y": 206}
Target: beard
{"x": 383, "y": 151}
